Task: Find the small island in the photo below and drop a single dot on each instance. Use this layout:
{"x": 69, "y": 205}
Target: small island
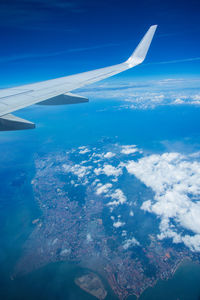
{"x": 92, "y": 284}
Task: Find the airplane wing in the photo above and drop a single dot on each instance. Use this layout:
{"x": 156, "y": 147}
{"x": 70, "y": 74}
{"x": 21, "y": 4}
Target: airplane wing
{"x": 58, "y": 91}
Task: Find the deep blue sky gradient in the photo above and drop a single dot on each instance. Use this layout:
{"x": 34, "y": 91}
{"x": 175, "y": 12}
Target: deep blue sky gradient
{"x": 43, "y": 39}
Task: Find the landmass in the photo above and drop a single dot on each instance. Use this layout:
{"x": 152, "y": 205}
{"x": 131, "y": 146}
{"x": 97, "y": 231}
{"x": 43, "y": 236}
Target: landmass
{"x": 92, "y": 284}
{"x": 77, "y": 225}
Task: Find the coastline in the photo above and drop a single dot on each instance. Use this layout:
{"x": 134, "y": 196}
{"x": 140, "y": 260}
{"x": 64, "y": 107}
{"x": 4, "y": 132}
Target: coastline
{"x": 180, "y": 278}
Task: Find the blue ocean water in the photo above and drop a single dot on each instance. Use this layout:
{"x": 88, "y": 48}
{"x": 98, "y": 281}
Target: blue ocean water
{"x": 166, "y": 128}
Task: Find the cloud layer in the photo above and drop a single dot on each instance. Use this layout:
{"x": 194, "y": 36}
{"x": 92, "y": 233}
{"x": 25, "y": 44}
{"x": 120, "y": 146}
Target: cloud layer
{"x": 149, "y": 93}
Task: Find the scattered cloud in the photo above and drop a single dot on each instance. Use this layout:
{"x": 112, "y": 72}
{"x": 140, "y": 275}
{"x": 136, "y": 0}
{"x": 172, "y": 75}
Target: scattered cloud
{"x": 84, "y": 151}
{"x": 175, "y": 181}
{"x": 118, "y": 224}
{"x": 173, "y": 177}
{"x": 65, "y": 252}
{"x": 103, "y": 189}
{"x": 129, "y": 149}
{"x": 89, "y": 238}
{"x": 148, "y": 95}
{"x": 118, "y": 198}
{"x": 109, "y": 155}
{"x": 80, "y": 171}
{"x": 131, "y": 214}
{"x": 108, "y": 170}
{"x": 124, "y": 233}
{"x": 130, "y": 243}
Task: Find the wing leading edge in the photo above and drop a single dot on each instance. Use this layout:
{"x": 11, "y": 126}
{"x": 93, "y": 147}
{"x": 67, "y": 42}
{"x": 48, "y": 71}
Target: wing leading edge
{"x": 57, "y": 91}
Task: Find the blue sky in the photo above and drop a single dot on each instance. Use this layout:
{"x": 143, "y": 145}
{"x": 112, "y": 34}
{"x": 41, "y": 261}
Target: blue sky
{"x": 43, "y": 39}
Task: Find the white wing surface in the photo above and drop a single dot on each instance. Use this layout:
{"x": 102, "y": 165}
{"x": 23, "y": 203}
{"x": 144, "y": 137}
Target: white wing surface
{"x": 57, "y": 91}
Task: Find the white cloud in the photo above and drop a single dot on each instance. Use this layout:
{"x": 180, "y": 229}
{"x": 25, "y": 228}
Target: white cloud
{"x": 195, "y": 154}
{"x": 74, "y": 183}
{"x": 103, "y": 189}
{"x": 175, "y": 181}
{"x": 115, "y": 179}
{"x": 174, "y": 178}
{"x": 89, "y": 237}
{"x": 65, "y": 252}
{"x": 124, "y": 233}
{"x": 129, "y": 149}
{"x": 98, "y": 171}
{"x": 95, "y": 182}
{"x": 84, "y": 162}
{"x": 149, "y": 94}
{"x": 118, "y": 224}
{"x": 97, "y": 155}
{"x": 130, "y": 242}
{"x": 178, "y": 101}
{"x": 196, "y": 97}
{"x": 193, "y": 242}
{"x": 84, "y": 151}
{"x": 146, "y": 205}
{"x": 78, "y": 170}
{"x": 108, "y": 170}
{"x": 109, "y": 155}
{"x": 118, "y": 197}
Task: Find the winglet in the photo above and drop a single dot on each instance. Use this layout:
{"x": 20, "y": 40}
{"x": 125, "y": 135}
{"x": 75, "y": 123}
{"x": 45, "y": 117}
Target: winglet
{"x": 140, "y": 52}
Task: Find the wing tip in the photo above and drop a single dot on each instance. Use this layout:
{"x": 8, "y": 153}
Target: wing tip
{"x": 139, "y": 54}
{"x": 154, "y": 26}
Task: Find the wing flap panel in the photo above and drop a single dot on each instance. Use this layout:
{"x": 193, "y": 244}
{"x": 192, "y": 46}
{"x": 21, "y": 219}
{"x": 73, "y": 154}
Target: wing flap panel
{"x": 10, "y": 122}
{"x": 63, "y": 99}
